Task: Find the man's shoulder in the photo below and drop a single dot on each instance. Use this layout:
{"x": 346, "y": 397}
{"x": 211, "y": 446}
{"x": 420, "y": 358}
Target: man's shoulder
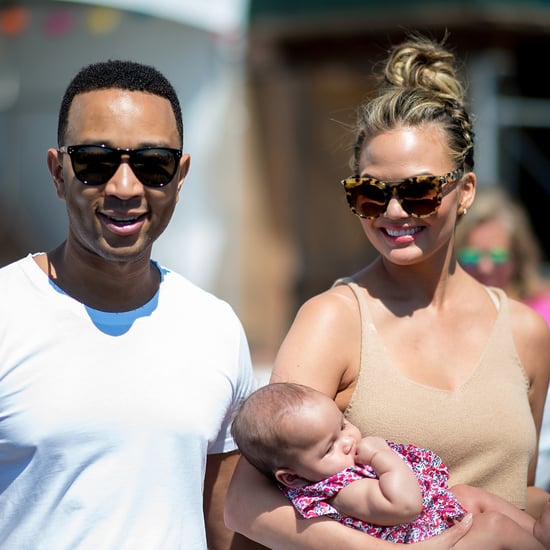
{"x": 15, "y": 267}
{"x": 177, "y": 287}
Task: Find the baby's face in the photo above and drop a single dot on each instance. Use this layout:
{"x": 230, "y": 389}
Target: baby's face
{"x": 327, "y": 441}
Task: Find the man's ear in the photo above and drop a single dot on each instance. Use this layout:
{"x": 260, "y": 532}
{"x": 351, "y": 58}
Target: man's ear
{"x": 185, "y": 162}
{"x": 290, "y": 479}
{"x": 55, "y": 166}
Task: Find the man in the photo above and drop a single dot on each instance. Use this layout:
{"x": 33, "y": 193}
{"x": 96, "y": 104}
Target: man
{"x": 118, "y": 377}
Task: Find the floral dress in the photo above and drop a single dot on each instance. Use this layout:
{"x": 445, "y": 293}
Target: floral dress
{"x": 439, "y": 506}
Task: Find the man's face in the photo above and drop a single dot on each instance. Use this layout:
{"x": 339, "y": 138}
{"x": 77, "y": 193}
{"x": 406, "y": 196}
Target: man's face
{"x": 120, "y": 219}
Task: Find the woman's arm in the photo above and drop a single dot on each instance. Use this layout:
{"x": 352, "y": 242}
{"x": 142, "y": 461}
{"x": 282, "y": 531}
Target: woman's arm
{"x": 536, "y": 501}
{"x": 532, "y": 340}
{"x": 258, "y": 510}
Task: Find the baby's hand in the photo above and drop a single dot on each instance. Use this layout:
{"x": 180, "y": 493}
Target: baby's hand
{"x": 368, "y": 447}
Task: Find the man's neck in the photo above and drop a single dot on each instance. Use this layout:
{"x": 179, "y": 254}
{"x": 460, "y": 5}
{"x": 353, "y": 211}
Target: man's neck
{"x": 101, "y": 284}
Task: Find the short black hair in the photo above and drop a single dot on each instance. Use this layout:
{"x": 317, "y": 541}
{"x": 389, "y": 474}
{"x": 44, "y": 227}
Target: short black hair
{"x": 124, "y": 75}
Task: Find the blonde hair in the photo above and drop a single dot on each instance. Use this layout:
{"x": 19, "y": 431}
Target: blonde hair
{"x": 494, "y": 203}
{"x": 419, "y": 86}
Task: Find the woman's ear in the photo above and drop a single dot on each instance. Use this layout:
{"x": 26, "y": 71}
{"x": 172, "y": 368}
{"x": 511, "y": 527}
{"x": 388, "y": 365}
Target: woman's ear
{"x": 289, "y": 479}
{"x": 468, "y": 192}
{"x": 55, "y": 166}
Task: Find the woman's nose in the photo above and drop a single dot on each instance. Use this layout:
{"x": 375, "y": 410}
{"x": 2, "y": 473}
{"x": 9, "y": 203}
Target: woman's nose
{"x": 394, "y": 209}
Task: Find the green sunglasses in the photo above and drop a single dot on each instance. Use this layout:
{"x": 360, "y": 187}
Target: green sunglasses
{"x": 470, "y": 257}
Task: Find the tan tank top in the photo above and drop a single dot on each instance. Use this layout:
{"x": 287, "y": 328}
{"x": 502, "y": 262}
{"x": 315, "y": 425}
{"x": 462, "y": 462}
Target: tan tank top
{"x": 484, "y": 431}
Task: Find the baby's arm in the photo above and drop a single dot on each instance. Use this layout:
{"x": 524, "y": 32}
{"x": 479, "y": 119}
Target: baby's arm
{"x": 394, "y": 498}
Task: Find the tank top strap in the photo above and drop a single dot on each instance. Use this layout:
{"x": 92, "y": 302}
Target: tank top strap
{"x": 497, "y": 296}
{"x": 364, "y": 313}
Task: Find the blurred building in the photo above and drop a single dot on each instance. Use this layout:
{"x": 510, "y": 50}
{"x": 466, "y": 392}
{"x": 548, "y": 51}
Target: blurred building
{"x": 269, "y": 98}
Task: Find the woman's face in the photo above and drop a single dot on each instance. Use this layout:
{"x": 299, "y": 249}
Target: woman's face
{"x": 402, "y": 153}
{"x": 486, "y": 253}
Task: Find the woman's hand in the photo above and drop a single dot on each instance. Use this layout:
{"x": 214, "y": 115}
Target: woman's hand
{"x": 449, "y": 538}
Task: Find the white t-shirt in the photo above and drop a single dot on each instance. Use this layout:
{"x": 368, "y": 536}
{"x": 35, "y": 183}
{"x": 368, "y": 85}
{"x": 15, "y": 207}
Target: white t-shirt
{"x": 106, "y": 418}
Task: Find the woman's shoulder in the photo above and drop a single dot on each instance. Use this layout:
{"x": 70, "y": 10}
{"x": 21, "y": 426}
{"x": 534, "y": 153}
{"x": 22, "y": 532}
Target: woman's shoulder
{"x": 531, "y": 333}
{"x": 525, "y": 314}
{"x": 323, "y": 343}
{"x": 532, "y": 339}
{"x": 337, "y": 301}
{"x": 541, "y": 303}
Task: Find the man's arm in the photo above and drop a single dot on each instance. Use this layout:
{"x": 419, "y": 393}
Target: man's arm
{"x": 219, "y": 469}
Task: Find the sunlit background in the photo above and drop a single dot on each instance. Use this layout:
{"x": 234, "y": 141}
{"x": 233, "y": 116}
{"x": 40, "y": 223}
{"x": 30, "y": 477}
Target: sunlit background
{"x": 269, "y": 90}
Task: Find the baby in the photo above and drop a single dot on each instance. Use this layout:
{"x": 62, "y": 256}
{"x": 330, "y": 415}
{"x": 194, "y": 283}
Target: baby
{"x": 396, "y": 492}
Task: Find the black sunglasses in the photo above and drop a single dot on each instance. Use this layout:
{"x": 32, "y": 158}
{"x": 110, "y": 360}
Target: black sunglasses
{"x": 97, "y": 164}
{"x": 419, "y": 196}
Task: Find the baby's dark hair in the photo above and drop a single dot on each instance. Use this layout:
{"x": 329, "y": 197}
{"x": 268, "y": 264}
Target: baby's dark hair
{"x": 419, "y": 85}
{"x": 123, "y": 75}
{"x": 261, "y": 424}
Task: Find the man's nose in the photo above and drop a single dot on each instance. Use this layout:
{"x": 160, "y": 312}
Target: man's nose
{"x": 124, "y": 183}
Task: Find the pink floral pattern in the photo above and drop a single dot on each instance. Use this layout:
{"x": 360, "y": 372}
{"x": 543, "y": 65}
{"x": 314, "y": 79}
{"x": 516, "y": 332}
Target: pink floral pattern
{"x": 440, "y": 507}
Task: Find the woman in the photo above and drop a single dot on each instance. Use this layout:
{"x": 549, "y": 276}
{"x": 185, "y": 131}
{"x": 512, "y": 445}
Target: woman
{"x": 412, "y": 348}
